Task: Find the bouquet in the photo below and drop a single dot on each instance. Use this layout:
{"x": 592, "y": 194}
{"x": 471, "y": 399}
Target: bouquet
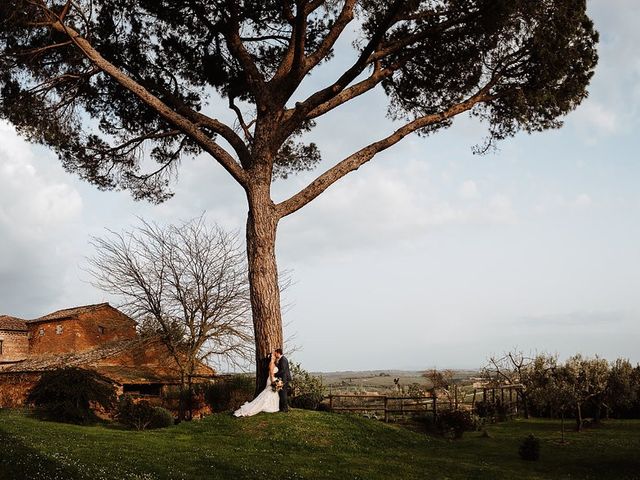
{"x": 277, "y": 385}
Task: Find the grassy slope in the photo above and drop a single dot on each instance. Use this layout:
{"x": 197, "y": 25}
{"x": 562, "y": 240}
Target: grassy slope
{"x": 309, "y": 445}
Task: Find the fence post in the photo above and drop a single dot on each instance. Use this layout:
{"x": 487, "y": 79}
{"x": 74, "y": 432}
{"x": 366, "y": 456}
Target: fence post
{"x": 386, "y": 411}
{"x": 435, "y": 406}
{"x": 473, "y": 401}
{"x": 455, "y": 396}
{"x": 511, "y": 409}
{"x": 331, "y": 403}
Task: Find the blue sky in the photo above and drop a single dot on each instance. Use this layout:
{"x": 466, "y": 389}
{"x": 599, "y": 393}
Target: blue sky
{"x": 427, "y": 256}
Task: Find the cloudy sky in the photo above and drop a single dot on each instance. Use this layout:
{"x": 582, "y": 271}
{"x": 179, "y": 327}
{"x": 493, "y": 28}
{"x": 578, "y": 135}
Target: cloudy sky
{"x": 427, "y": 256}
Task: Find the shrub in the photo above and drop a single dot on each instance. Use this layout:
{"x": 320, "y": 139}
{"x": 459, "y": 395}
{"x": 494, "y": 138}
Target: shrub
{"x": 416, "y": 390}
{"x": 308, "y": 390}
{"x": 142, "y": 415}
{"x": 456, "y": 422}
{"x": 485, "y": 409}
{"x": 161, "y": 418}
{"x": 229, "y": 393}
{"x": 192, "y": 401}
{"x": 427, "y": 420}
{"x": 530, "y": 448}
{"x": 71, "y": 394}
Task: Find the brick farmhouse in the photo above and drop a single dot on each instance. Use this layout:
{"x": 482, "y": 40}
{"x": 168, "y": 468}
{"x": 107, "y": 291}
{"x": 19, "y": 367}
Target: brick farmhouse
{"x": 97, "y": 337}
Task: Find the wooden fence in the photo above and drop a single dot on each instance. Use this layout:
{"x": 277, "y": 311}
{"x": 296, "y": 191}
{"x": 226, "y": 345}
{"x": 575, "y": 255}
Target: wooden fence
{"x": 382, "y": 404}
{"x": 388, "y": 406}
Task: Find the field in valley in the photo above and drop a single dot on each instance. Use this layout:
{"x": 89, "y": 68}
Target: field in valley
{"x": 382, "y": 381}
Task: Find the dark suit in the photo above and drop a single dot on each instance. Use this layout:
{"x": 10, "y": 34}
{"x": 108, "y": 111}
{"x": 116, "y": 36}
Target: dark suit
{"x": 284, "y": 374}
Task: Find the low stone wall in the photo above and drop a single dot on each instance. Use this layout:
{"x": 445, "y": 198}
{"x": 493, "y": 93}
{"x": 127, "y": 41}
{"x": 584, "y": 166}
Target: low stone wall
{"x": 14, "y": 388}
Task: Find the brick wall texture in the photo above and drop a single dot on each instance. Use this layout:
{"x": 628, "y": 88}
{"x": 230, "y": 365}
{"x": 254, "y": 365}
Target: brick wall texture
{"x": 15, "y": 345}
{"x": 81, "y": 332}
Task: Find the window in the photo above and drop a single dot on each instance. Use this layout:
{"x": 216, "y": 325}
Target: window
{"x": 58, "y": 329}
{"x": 42, "y": 332}
{"x": 100, "y": 329}
{"x": 1, "y": 346}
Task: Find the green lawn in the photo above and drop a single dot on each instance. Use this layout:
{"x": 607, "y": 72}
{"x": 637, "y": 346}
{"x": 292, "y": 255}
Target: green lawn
{"x": 309, "y": 445}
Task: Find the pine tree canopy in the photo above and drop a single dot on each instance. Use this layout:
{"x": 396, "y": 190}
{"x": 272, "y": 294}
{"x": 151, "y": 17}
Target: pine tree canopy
{"x": 118, "y": 88}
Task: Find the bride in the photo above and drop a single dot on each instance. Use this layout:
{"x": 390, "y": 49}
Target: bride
{"x": 268, "y": 400}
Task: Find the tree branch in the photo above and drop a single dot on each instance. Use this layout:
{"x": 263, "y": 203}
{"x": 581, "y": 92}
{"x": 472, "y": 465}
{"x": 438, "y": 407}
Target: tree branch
{"x": 255, "y": 79}
{"x": 344, "y": 18}
{"x": 350, "y": 93}
{"x": 302, "y": 109}
{"x": 179, "y": 121}
{"x": 362, "y": 156}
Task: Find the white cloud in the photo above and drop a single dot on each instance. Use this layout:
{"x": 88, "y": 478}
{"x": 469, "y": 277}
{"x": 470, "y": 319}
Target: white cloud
{"x": 468, "y": 189}
{"x": 37, "y": 245}
{"x": 29, "y": 201}
{"x": 558, "y": 202}
{"x": 597, "y": 119}
{"x": 385, "y": 205}
{"x": 583, "y": 200}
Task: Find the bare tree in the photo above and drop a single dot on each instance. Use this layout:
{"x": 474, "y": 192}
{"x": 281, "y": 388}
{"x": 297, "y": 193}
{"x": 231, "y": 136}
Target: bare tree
{"x": 511, "y": 369}
{"x": 187, "y": 283}
{"x": 442, "y": 381}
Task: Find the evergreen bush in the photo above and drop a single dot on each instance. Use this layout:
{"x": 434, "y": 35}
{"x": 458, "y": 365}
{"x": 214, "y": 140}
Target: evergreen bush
{"x": 71, "y": 394}
{"x": 530, "y": 448}
{"x": 308, "y": 390}
{"x": 455, "y": 422}
{"x": 161, "y": 418}
{"x": 142, "y": 415}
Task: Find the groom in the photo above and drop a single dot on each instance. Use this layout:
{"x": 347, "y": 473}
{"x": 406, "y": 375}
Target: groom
{"x": 285, "y": 375}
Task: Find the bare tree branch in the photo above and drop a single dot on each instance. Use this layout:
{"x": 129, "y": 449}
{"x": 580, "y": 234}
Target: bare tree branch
{"x": 187, "y": 283}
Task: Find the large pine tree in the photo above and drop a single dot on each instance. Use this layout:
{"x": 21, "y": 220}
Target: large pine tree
{"x": 103, "y": 81}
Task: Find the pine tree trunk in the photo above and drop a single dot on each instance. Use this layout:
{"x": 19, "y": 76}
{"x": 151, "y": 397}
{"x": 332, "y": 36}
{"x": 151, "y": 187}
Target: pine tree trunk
{"x": 262, "y": 223}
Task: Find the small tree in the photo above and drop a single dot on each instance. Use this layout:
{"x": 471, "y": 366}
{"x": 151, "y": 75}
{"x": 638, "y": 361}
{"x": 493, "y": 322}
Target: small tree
{"x": 622, "y": 390}
{"x": 188, "y": 283}
{"x": 441, "y": 381}
{"x": 511, "y": 369}
{"x": 308, "y": 389}
{"x": 70, "y": 394}
{"x": 559, "y": 393}
{"x": 588, "y": 379}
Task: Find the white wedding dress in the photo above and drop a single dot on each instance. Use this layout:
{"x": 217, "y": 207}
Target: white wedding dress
{"x": 267, "y": 401}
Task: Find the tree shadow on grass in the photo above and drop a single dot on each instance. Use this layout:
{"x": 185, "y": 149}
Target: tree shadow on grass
{"x": 21, "y": 462}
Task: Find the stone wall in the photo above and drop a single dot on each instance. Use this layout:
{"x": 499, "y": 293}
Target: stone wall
{"x": 15, "y": 345}
{"x": 15, "y": 387}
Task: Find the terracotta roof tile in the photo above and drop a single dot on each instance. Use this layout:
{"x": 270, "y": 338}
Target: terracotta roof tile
{"x": 39, "y": 363}
{"x": 70, "y": 312}
{"x": 97, "y": 358}
{"x": 12, "y": 324}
